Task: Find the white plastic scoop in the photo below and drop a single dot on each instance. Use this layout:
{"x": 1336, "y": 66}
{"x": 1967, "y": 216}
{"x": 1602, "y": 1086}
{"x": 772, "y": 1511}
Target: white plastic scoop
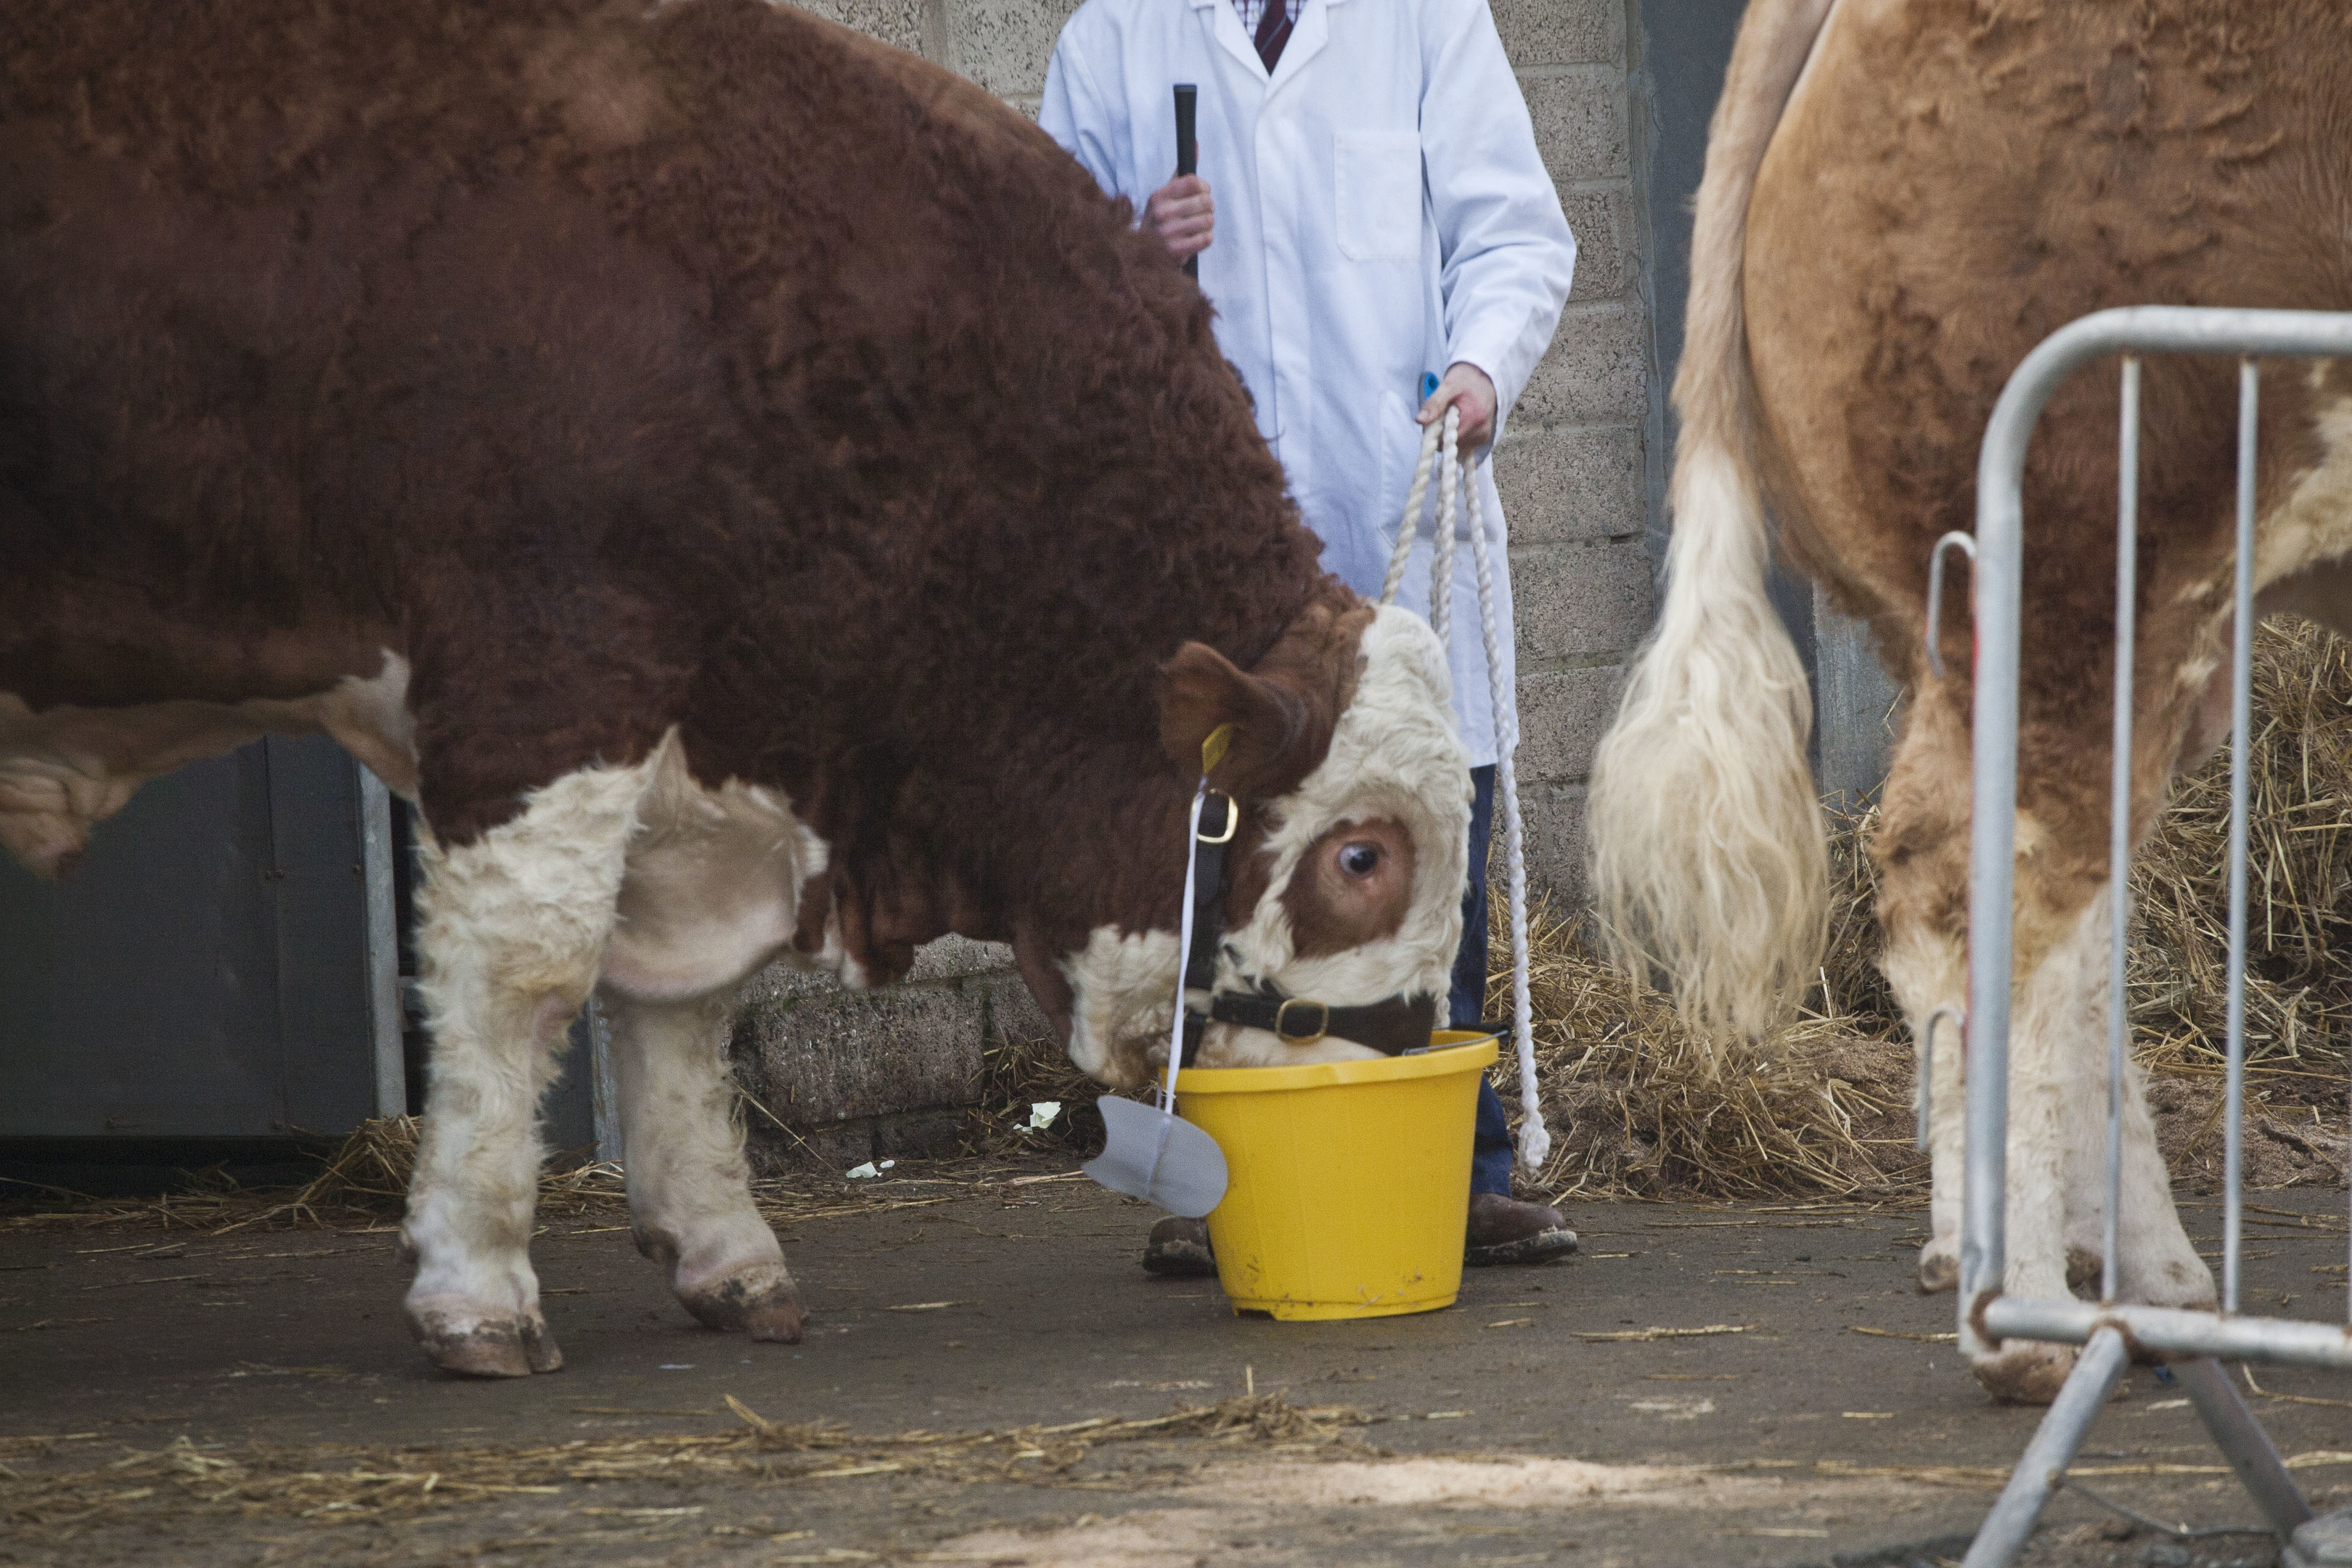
{"x": 1149, "y": 1153}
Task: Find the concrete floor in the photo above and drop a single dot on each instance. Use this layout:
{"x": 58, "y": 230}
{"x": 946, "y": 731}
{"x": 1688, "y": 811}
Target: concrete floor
{"x": 294, "y": 1337}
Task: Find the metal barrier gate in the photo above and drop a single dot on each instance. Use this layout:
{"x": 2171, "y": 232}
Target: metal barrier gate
{"x": 2110, "y": 1332}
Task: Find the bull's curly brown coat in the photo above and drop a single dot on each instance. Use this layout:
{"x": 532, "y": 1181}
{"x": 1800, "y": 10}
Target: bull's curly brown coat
{"x": 812, "y": 370}
{"x": 748, "y": 485}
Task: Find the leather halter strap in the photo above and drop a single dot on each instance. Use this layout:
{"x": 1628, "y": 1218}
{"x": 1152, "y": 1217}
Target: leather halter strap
{"x": 1394, "y": 1027}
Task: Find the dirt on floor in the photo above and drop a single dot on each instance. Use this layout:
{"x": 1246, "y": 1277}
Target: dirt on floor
{"x": 990, "y": 1378}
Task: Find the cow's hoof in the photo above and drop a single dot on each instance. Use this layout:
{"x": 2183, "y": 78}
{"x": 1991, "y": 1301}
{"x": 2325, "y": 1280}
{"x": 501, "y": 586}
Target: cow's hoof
{"x": 1938, "y": 1270}
{"x": 2025, "y": 1373}
{"x": 759, "y": 1299}
{"x": 2181, "y": 1283}
{"x": 497, "y": 1347}
{"x": 2083, "y": 1266}
{"x": 778, "y": 1323}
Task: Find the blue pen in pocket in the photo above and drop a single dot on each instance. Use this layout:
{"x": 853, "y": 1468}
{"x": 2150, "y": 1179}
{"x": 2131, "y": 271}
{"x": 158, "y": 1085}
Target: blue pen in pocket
{"x": 1428, "y": 385}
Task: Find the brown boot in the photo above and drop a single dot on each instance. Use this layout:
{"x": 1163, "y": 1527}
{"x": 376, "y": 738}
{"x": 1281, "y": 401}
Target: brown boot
{"x": 1504, "y": 1230}
{"x": 1178, "y": 1249}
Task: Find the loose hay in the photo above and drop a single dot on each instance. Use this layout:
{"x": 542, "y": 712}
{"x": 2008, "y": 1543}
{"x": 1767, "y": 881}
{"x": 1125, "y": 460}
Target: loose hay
{"x": 1640, "y": 1106}
{"x": 363, "y": 1187}
{"x": 73, "y": 1479}
{"x": 2299, "y": 989}
{"x": 1017, "y": 1074}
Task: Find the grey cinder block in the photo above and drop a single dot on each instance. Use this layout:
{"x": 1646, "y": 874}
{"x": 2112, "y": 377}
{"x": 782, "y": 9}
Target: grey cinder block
{"x": 1562, "y": 715}
{"x": 1579, "y": 602}
{"x": 1594, "y": 372}
{"x": 1571, "y": 484}
{"x": 1607, "y": 263}
{"x": 898, "y": 23}
{"x": 818, "y": 1062}
{"x": 1580, "y": 120}
{"x": 1003, "y": 45}
{"x": 1561, "y": 32}
{"x": 1552, "y": 816}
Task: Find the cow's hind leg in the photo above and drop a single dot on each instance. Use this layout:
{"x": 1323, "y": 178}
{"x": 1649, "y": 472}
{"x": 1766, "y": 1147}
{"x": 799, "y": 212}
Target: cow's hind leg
{"x": 513, "y": 927}
{"x": 1922, "y": 850}
{"x": 690, "y": 1207}
{"x": 2057, "y": 1144}
{"x": 1928, "y": 972}
{"x": 2155, "y": 1263}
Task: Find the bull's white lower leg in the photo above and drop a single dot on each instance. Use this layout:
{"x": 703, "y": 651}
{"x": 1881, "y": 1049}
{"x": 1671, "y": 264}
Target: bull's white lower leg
{"x": 689, "y": 1205}
{"x": 2057, "y": 1114}
{"x": 512, "y": 929}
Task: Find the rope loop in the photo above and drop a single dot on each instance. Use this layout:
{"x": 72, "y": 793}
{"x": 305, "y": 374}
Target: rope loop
{"x": 1457, "y": 486}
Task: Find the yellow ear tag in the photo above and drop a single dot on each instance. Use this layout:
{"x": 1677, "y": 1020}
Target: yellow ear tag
{"x": 1213, "y": 748}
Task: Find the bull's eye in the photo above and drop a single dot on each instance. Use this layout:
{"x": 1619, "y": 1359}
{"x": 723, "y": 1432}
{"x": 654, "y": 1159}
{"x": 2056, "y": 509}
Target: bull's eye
{"x": 1359, "y": 858}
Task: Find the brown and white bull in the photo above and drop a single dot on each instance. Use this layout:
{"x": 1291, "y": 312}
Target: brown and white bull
{"x": 747, "y": 485}
{"x": 1901, "y": 198}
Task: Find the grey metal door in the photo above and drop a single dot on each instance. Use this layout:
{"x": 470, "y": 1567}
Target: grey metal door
{"x": 216, "y": 964}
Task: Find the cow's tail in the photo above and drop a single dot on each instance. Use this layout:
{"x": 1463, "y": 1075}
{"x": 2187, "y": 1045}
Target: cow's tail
{"x": 1709, "y": 856}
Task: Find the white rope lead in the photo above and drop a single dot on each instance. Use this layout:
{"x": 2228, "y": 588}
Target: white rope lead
{"x": 1410, "y": 529}
{"x": 1441, "y": 565}
{"x": 1535, "y": 1138}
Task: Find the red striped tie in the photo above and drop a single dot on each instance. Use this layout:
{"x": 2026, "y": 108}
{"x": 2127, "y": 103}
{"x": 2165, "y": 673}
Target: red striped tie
{"x": 1272, "y": 32}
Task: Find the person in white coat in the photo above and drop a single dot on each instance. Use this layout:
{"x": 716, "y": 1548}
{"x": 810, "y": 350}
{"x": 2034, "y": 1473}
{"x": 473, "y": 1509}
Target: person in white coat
{"x": 1371, "y": 215}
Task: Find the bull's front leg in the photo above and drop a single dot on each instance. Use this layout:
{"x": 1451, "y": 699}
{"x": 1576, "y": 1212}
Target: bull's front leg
{"x": 512, "y": 929}
{"x": 690, "y": 1205}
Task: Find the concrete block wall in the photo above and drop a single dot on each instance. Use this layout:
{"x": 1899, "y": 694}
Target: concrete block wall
{"x": 859, "y": 1075}
{"x": 1571, "y": 464}
{"x": 840, "y": 1077}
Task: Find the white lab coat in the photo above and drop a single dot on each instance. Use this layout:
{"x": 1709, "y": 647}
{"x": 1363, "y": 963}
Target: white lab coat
{"x": 1381, "y": 213}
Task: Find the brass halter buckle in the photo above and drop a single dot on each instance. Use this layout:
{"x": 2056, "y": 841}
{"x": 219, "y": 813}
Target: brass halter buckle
{"x": 1290, "y": 1036}
{"x": 1233, "y": 816}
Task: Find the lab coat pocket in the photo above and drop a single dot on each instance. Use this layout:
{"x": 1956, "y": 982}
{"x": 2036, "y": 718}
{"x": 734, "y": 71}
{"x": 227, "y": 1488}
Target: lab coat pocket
{"x": 1378, "y": 194}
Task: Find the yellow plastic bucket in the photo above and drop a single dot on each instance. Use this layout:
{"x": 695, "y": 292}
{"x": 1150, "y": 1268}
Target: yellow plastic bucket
{"x": 1350, "y": 1180}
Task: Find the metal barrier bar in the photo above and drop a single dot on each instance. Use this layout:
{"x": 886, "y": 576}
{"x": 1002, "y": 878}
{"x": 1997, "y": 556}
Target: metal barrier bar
{"x": 2172, "y": 1331}
{"x": 2119, "y": 807}
{"x": 2000, "y": 469}
{"x": 2111, "y": 1331}
{"x": 2242, "y": 1441}
{"x": 2242, "y": 703}
{"x": 2042, "y": 1467}
{"x": 1928, "y": 1072}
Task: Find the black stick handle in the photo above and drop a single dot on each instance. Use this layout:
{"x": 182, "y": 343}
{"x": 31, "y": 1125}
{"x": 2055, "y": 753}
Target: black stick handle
{"x": 1188, "y": 150}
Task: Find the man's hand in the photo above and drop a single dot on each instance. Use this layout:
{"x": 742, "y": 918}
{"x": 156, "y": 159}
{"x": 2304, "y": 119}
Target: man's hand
{"x": 1183, "y": 216}
{"x": 1467, "y": 385}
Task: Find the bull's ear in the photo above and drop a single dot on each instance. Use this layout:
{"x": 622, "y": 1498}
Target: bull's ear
{"x": 1275, "y": 739}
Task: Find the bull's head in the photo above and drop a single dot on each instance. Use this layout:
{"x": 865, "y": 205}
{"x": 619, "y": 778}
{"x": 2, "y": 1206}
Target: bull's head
{"x": 1344, "y": 879}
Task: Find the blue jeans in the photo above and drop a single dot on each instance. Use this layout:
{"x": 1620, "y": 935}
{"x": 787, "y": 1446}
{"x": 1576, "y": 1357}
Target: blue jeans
{"x": 1490, "y": 1152}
